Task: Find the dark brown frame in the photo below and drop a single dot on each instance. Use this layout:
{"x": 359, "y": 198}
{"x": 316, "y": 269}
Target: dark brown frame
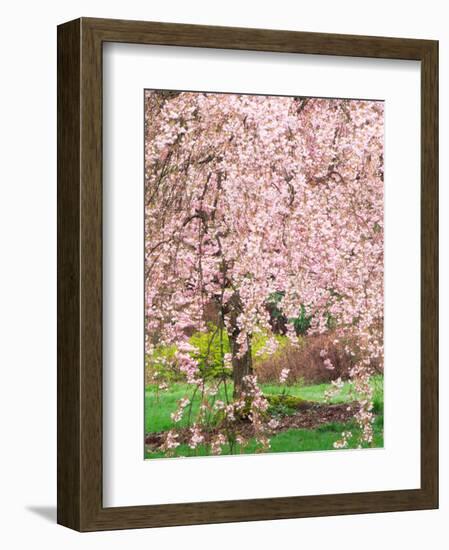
{"x": 80, "y": 274}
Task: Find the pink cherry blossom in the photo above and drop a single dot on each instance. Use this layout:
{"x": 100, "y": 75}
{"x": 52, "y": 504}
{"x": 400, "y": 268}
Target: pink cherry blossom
{"x": 247, "y": 196}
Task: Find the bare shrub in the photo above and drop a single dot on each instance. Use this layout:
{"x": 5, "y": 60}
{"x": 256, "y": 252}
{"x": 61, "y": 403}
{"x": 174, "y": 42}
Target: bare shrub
{"x": 305, "y": 362}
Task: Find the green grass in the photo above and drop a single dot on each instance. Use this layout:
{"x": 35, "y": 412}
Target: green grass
{"x": 159, "y": 405}
{"x": 293, "y": 440}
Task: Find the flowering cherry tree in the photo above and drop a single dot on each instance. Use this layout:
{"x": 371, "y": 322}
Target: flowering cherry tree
{"x": 250, "y": 197}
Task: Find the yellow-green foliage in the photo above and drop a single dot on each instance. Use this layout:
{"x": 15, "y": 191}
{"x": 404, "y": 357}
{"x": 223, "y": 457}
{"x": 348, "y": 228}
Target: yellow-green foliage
{"x": 161, "y": 364}
{"x": 259, "y": 341}
{"x": 162, "y": 353}
{"x": 211, "y": 348}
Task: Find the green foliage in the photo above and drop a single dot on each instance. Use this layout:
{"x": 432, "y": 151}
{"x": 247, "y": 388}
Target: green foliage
{"x": 211, "y": 347}
{"x": 259, "y": 341}
{"x": 284, "y": 404}
{"x": 163, "y": 354}
{"x": 273, "y": 301}
{"x": 161, "y": 364}
{"x": 301, "y": 323}
{"x": 378, "y": 397}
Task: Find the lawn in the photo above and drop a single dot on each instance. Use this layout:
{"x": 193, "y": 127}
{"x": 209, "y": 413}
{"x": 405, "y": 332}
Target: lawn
{"x": 159, "y": 406}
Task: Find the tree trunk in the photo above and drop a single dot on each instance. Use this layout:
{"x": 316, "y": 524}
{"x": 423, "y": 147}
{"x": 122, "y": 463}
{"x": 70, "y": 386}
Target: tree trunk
{"x": 241, "y": 366}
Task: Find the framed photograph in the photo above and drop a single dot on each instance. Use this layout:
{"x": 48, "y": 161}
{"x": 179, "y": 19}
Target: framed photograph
{"x": 247, "y": 274}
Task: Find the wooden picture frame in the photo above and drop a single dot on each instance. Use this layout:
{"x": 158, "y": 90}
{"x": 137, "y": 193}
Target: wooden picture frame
{"x": 80, "y": 503}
